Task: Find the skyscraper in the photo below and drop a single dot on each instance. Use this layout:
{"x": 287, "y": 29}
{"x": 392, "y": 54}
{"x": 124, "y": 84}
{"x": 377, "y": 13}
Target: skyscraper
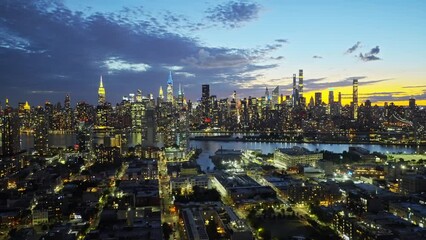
{"x": 330, "y": 97}
{"x": 355, "y": 99}
{"x": 267, "y": 96}
{"x": 301, "y": 82}
{"x": 170, "y": 88}
{"x": 69, "y": 123}
{"x": 181, "y": 96}
{"x": 41, "y": 132}
{"x": 318, "y": 98}
{"x": 205, "y": 100}
{"x": 295, "y": 92}
{"x": 275, "y": 96}
{"x": 101, "y": 93}
{"x": 160, "y": 98}
{"x": 412, "y": 103}
{"x": 301, "y": 99}
{"x": 103, "y": 109}
{"x": 10, "y": 131}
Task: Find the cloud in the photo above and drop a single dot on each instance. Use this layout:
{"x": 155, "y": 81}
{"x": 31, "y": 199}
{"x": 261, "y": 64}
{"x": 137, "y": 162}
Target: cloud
{"x": 173, "y": 68}
{"x": 44, "y": 92}
{"x": 278, "y": 58}
{"x": 234, "y": 13}
{"x": 381, "y": 93}
{"x": 217, "y": 58}
{"x": 317, "y": 57}
{"x": 185, "y": 74}
{"x": 375, "y": 50}
{"x": 353, "y": 48}
{"x": 371, "y": 55}
{"x": 114, "y": 65}
{"x": 391, "y": 96}
{"x": 131, "y": 48}
{"x": 418, "y": 86}
{"x": 323, "y": 82}
{"x": 281, "y": 40}
{"x": 366, "y": 58}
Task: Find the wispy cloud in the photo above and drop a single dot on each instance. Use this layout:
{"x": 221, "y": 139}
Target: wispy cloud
{"x": 281, "y": 40}
{"x": 418, "y": 86}
{"x": 45, "y": 92}
{"x": 234, "y": 13}
{"x": 278, "y": 58}
{"x": 185, "y": 74}
{"x": 353, "y": 48}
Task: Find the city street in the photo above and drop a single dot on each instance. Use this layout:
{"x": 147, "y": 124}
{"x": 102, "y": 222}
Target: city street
{"x": 167, "y": 216}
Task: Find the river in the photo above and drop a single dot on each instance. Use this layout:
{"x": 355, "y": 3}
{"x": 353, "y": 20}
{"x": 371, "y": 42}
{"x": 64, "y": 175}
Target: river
{"x": 210, "y": 147}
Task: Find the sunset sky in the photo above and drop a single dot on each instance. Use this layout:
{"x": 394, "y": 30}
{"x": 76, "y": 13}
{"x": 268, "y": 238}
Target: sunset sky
{"x": 52, "y": 48}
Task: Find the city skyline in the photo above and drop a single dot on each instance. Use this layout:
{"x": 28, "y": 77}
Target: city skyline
{"x": 53, "y": 48}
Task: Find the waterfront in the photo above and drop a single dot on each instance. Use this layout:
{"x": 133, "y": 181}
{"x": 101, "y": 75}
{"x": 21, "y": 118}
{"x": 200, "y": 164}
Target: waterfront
{"x": 210, "y": 147}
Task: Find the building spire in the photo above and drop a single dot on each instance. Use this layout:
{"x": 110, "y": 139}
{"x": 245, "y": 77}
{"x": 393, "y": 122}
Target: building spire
{"x": 101, "y": 92}
{"x": 101, "y": 84}
{"x": 160, "y": 93}
{"x": 170, "y": 80}
{"x": 170, "y": 88}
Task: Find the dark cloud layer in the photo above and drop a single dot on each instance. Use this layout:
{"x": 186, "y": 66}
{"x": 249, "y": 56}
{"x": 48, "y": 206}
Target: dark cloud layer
{"x": 47, "y": 50}
{"x": 234, "y": 13}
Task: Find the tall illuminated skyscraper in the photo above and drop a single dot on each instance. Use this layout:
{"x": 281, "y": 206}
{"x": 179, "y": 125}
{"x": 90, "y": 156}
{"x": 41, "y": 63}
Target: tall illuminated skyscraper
{"x": 301, "y": 82}
{"x": 160, "y": 98}
{"x": 181, "y": 96}
{"x": 205, "y": 100}
{"x": 41, "y": 132}
{"x": 170, "y": 88}
{"x": 295, "y": 92}
{"x": 301, "y": 86}
{"x": 355, "y": 99}
{"x": 101, "y": 93}
{"x": 68, "y": 113}
{"x": 10, "y": 131}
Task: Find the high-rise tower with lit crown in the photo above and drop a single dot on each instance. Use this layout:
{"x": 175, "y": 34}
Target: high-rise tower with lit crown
{"x": 170, "y": 88}
{"x": 101, "y": 93}
{"x": 160, "y": 93}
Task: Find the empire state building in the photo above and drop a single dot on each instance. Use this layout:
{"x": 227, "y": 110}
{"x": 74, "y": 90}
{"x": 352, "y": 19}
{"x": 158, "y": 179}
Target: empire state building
{"x": 101, "y": 93}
